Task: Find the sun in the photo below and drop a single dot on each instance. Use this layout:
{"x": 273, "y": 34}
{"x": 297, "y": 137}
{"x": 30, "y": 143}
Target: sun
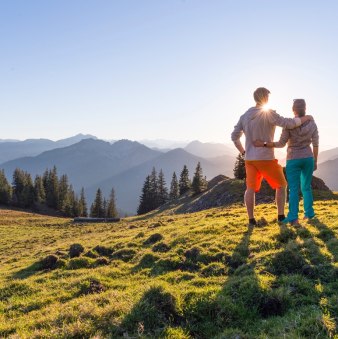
{"x": 266, "y": 107}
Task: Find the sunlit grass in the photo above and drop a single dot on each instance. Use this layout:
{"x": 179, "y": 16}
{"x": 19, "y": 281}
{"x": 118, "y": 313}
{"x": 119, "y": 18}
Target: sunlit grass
{"x": 206, "y": 274}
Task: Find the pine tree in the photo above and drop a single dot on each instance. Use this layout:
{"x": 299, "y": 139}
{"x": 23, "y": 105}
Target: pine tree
{"x": 51, "y": 184}
{"x": 5, "y": 189}
{"x": 144, "y": 205}
{"x": 83, "y": 212}
{"x": 39, "y": 190}
{"x": 104, "y": 207}
{"x": 154, "y": 190}
{"x": 199, "y": 183}
{"x": 239, "y": 169}
{"x": 96, "y": 210}
{"x": 111, "y": 208}
{"x": 63, "y": 190}
{"x": 174, "y": 188}
{"x": 163, "y": 195}
{"x": 23, "y": 189}
{"x": 184, "y": 182}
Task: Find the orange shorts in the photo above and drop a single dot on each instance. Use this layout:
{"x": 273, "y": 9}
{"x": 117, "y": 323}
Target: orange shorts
{"x": 270, "y": 170}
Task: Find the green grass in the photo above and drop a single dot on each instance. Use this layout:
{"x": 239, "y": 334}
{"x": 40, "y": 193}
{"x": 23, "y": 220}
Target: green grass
{"x": 167, "y": 275}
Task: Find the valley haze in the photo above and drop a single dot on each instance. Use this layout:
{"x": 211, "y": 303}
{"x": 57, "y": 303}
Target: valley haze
{"x": 92, "y": 163}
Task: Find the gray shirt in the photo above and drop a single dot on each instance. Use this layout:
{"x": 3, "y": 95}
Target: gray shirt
{"x": 299, "y": 140}
{"x": 259, "y": 124}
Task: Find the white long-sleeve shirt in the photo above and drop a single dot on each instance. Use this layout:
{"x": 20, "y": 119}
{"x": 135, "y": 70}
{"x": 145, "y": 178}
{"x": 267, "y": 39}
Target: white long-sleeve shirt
{"x": 259, "y": 124}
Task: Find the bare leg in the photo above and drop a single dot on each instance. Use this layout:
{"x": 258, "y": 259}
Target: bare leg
{"x": 249, "y": 199}
{"x": 280, "y": 199}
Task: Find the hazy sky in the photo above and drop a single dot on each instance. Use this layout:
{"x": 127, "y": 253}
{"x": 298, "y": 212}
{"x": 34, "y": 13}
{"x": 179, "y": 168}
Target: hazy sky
{"x": 147, "y": 69}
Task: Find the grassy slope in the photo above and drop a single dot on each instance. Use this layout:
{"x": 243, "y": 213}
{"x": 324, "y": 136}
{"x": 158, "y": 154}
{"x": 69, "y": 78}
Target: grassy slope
{"x": 209, "y": 276}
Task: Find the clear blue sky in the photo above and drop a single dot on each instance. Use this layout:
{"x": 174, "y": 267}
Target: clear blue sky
{"x": 146, "y": 69}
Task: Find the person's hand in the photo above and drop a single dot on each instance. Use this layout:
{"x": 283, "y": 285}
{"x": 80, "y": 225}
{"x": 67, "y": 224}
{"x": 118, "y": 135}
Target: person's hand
{"x": 258, "y": 143}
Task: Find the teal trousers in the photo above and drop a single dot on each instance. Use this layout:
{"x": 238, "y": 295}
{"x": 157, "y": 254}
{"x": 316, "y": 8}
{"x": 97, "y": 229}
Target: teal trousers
{"x": 299, "y": 175}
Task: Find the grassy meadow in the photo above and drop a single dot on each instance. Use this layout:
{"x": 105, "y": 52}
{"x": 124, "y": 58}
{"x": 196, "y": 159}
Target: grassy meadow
{"x": 167, "y": 275}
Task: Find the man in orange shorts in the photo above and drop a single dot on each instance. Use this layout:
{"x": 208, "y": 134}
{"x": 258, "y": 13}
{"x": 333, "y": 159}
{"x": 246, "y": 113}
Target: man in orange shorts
{"x": 259, "y": 123}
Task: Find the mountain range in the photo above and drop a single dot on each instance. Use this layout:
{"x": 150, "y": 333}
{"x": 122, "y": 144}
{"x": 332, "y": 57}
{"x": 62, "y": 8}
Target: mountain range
{"x": 13, "y": 149}
{"x": 124, "y": 164}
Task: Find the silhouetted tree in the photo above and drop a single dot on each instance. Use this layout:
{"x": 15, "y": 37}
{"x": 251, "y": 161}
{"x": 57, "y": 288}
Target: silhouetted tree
{"x": 162, "y": 190}
{"x": 96, "y": 210}
{"x": 239, "y": 169}
{"x": 174, "y": 188}
{"x": 184, "y": 182}
{"x": 144, "y": 205}
{"x": 199, "y": 183}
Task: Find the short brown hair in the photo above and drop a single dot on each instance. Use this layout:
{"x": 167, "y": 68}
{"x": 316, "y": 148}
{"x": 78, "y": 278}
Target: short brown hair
{"x": 299, "y": 107}
{"x": 261, "y": 95}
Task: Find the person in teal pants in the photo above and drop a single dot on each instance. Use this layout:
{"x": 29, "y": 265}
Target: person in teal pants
{"x": 301, "y": 161}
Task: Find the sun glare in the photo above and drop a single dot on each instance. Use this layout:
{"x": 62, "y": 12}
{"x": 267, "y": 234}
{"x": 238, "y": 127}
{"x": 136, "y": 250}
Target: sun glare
{"x": 266, "y": 107}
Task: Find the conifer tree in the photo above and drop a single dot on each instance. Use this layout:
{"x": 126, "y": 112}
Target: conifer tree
{"x": 184, "y": 182}
{"x": 144, "y": 205}
{"x": 51, "y": 183}
{"x": 63, "y": 190}
{"x": 23, "y": 190}
{"x": 5, "y": 189}
{"x": 162, "y": 190}
{"x": 96, "y": 210}
{"x": 111, "y": 207}
{"x": 239, "y": 169}
{"x": 174, "y": 188}
{"x": 39, "y": 190}
{"x": 83, "y": 212}
{"x": 199, "y": 183}
{"x": 104, "y": 206}
{"x": 154, "y": 190}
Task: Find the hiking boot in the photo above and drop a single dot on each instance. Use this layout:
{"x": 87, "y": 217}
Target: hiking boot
{"x": 252, "y": 222}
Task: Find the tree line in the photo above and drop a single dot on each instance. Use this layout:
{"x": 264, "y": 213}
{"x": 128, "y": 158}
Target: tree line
{"x": 155, "y": 192}
{"x": 50, "y": 190}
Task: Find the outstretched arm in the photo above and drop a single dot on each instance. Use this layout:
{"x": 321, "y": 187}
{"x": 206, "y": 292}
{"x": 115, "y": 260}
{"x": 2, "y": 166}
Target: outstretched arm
{"x": 289, "y": 123}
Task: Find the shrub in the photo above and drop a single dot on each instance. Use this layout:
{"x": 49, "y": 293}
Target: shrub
{"x": 153, "y": 239}
{"x": 75, "y": 250}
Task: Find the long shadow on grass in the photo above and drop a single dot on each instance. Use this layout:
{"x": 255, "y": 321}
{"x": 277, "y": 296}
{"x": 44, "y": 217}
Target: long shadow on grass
{"x": 327, "y": 235}
{"x": 309, "y": 274}
{"x": 27, "y": 272}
